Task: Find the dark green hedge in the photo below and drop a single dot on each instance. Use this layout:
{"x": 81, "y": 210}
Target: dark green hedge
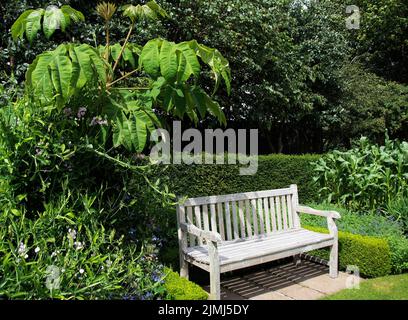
{"x": 274, "y": 171}
{"x": 370, "y": 254}
{"x": 181, "y": 289}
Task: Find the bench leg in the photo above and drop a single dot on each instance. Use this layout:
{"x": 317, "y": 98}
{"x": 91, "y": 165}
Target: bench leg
{"x": 296, "y": 259}
{"x": 215, "y": 283}
{"x": 183, "y": 267}
{"x": 215, "y": 272}
{"x": 333, "y": 263}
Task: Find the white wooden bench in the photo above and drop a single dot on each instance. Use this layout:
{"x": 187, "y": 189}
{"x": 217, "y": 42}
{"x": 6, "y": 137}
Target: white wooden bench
{"x": 229, "y": 232}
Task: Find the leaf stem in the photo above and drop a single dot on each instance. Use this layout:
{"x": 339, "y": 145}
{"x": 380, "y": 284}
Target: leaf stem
{"x": 123, "y": 47}
{"x": 108, "y": 85}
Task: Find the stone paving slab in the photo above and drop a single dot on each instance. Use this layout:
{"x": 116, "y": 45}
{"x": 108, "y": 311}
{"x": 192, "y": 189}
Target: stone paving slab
{"x": 286, "y": 281}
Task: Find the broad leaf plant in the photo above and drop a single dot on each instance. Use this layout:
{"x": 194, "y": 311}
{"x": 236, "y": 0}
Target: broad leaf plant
{"x": 132, "y": 81}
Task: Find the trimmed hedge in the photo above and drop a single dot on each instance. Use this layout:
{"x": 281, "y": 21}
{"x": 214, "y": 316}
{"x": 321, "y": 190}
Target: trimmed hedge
{"x": 370, "y": 254}
{"x": 274, "y": 171}
{"x": 181, "y": 289}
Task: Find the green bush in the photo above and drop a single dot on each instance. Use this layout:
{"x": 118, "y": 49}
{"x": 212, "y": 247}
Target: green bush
{"x": 370, "y": 254}
{"x": 178, "y": 288}
{"x": 274, "y": 171}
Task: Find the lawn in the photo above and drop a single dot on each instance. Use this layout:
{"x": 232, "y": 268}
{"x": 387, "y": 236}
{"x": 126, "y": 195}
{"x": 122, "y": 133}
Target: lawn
{"x": 384, "y": 288}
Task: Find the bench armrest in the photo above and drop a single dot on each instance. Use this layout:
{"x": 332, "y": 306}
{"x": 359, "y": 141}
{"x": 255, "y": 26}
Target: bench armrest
{"x": 323, "y": 213}
{"x": 208, "y": 235}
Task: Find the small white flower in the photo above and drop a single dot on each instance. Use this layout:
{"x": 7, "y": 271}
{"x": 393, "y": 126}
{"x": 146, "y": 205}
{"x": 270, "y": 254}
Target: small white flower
{"x": 22, "y": 250}
{"x": 72, "y": 234}
{"x": 37, "y": 250}
{"x": 78, "y": 245}
{"x": 54, "y": 254}
{"x": 62, "y": 270}
{"x": 81, "y": 271}
{"x": 108, "y": 263}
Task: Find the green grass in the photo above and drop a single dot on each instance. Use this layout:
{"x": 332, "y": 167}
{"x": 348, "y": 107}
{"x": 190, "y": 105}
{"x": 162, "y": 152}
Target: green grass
{"x": 384, "y": 288}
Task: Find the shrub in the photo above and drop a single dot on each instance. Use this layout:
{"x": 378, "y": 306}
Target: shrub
{"x": 181, "y": 289}
{"x": 274, "y": 171}
{"x": 368, "y": 176}
{"x": 370, "y": 254}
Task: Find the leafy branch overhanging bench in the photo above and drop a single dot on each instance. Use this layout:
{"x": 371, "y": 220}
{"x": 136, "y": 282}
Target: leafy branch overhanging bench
{"x": 235, "y": 231}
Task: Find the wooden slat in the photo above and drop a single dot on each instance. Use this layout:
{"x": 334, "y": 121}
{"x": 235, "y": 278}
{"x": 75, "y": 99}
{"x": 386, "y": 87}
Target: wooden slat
{"x": 273, "y": 213}
{"x": 254, "y": 217}
{"x": 236, "y": 197}
{"x": 289, "y": 207}
{"x": 228, "y": 221}
{"x": 205, "y": 218}
{"x": 235, "y": 219}
{"x": 284, "y": 213}
{"x": 275, "y": 243}
{"x": 213, "y": 218}
{"x": 278, "y": 213}
{"x": 267, "y": 217}
{"x": 248, "y": 219}
{"x": 190, "y": 220}
{"x": 197, "y": 216}
{"x": 220, "y": 213}
{"x": 261, "y": 217}
{"x": 241, "y": 218}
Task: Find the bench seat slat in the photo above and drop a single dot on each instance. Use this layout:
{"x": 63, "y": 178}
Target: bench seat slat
{"x": 249, "y": 249}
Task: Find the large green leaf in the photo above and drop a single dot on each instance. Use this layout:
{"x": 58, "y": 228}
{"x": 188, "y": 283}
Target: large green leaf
{"x": 33, "y": 24}
{"x": 52, "y": 19}
{"x": 188, "y": 63}
{"x": 132, "y": 125}
{"x": 150, "y": 57}
{"x": 168, "y": 60}
{"x": 18, "y": 27}
{"x": 56, "y": 75}
{"x": 216, "y": 61}
{"x": 148, "y": 11}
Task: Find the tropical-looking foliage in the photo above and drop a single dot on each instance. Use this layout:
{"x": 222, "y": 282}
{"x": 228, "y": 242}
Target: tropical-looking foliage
{"x": 83, "y": 84}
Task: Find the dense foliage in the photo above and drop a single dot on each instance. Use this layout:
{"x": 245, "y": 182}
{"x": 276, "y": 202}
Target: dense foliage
{"x": 300, "y": 75}
{"x": 368, "y": 176}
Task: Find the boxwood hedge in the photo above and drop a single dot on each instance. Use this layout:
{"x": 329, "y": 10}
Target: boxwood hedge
{"x": 371, "y": 255}
{"x": 181, "y": 289}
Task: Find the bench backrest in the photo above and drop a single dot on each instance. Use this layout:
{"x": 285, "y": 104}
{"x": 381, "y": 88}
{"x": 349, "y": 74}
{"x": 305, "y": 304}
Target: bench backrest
{"x": 242, "y": 215}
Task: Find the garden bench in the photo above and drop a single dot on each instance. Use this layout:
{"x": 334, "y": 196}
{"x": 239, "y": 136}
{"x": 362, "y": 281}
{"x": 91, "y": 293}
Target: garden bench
{"x": 235, "y": 231}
